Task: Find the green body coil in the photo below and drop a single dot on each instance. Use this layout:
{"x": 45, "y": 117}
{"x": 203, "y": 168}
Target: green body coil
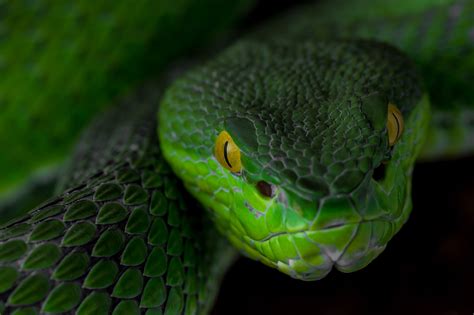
{"x": 122, "y": 238}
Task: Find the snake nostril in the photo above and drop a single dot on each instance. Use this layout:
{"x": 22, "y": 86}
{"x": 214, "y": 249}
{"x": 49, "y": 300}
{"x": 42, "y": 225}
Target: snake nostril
{"x": 265, "y": 189}
{"x": 379, "y": 172}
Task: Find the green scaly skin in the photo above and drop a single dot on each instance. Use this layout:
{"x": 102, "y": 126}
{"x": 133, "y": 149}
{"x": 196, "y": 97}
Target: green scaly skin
{"x": 437, "y": 35}
{"x": 122, "y": 238}
{"x": 320, "y": 156}
{"x": 308, "y": 112}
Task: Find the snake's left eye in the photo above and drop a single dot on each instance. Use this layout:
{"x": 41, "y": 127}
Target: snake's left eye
{"x": 227, "y": 152}
{"x": 395, "y": 124}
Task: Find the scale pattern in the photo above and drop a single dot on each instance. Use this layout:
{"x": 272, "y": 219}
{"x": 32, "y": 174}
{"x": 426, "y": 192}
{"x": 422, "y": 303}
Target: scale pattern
{"x": 437, "y": 35}
{"x": 337, "y": 91}
{"x": 123, "y": 240}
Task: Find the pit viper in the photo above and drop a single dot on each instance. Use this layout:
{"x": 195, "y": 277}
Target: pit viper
{"x": 296, "y": 145}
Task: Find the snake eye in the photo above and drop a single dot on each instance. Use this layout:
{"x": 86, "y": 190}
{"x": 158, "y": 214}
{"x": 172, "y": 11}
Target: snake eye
{"x": 395, "y": 124}
{"x": 227, "y": 152}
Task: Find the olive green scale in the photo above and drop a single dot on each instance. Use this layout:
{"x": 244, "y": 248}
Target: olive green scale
{"x": 123, "y": 240}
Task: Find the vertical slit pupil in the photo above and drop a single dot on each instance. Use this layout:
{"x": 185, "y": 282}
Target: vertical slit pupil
{"x": 226, "y": 144}
{"x": 398, "y": 125}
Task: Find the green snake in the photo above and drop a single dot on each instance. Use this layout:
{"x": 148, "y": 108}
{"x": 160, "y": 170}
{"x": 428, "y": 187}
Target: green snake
{"x": 299, "y": 140}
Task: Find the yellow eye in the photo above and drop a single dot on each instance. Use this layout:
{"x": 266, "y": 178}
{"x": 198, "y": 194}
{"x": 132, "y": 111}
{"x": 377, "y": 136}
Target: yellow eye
{"x": 395, "y": 124}
{"x": 227, "y": 152}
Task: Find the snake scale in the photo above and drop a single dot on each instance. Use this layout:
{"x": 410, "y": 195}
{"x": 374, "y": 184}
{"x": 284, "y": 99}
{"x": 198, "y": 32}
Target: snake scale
{"x": 300, "y": 139}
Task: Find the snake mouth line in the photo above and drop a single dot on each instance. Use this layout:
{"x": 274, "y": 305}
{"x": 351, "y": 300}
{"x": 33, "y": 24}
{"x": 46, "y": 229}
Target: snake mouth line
{"x": 335, "y": 226}
{"x": 329, "y": 257}
{"x": 269, "y": 237}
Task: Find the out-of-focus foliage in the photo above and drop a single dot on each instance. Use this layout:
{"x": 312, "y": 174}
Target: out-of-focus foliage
{"x": 62, "y": 61}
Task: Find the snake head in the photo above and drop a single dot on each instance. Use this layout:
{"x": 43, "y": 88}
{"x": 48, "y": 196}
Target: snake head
{"x": 292, "y": 149}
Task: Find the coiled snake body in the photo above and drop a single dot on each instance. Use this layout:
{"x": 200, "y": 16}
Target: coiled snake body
{"x": 300, "y": 139}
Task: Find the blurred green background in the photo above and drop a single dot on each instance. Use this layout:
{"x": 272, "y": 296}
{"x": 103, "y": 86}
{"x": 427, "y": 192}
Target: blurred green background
{"x": 63, "y": 61}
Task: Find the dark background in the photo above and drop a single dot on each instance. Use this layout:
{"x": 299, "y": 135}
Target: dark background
{"x": 428, "y": 268}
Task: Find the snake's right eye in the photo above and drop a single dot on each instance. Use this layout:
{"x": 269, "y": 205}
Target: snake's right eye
{"x": 227, "y": 152}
